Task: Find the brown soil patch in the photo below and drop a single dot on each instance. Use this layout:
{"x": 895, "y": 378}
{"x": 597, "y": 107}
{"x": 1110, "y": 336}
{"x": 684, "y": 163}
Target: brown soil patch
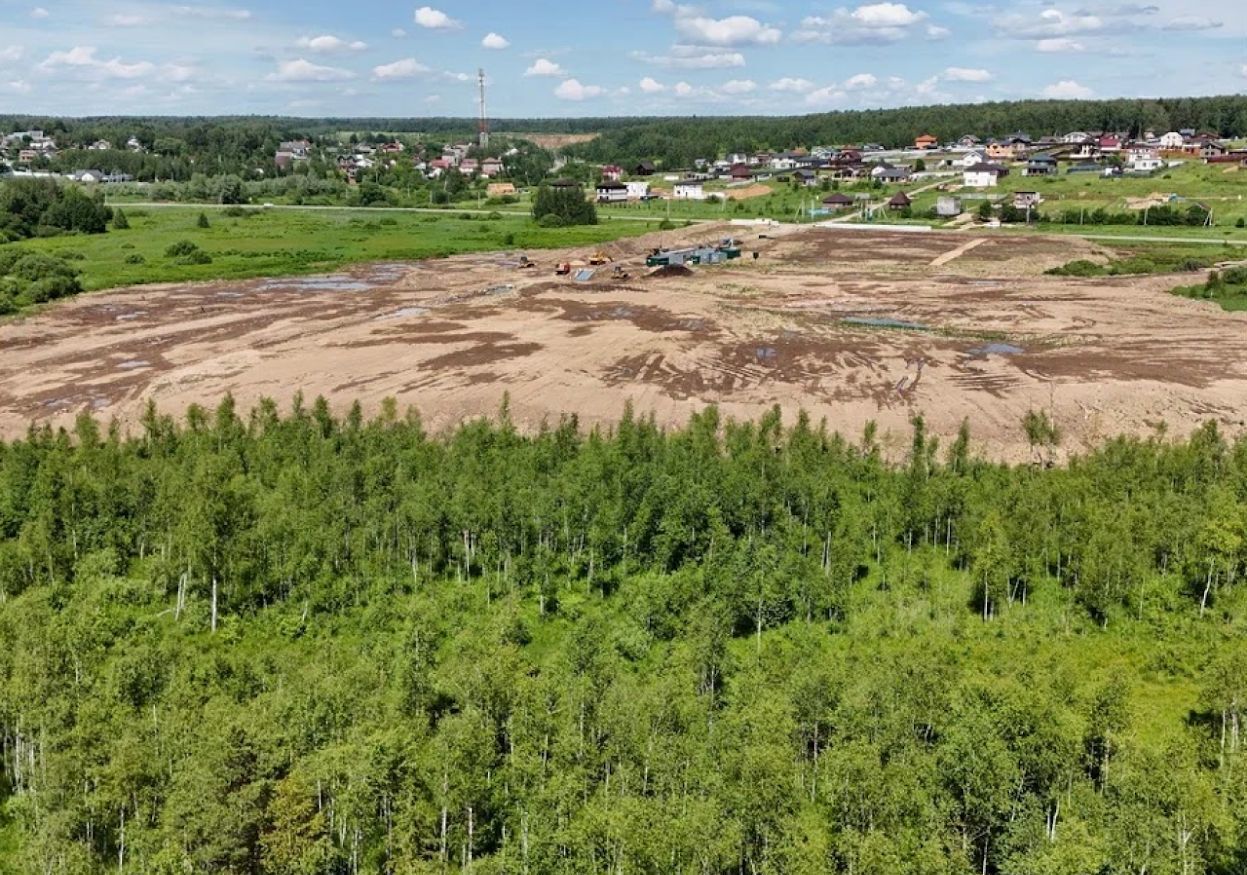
{"x": 847, "y": 325}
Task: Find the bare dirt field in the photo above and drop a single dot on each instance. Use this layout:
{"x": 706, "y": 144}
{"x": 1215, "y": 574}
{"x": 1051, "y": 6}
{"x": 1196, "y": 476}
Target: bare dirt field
{"x": 851, "y": 326}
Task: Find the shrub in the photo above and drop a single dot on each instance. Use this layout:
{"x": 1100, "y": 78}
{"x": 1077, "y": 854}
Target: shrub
{"x": 235, "y": 212}
{"x": 509, "y": 239}
{"x": 566, "y": 202}
{"x": 196, "y": 257}
{"x": 135, "y": 258}
{"x": 550, "y": 220}
{"x": 1241, "y": 223}
{"x": 181, "y": 249}
{"x": 120, "y": 222}
{"x": 1081, "y": 267}
{"x": 202, "y": 221}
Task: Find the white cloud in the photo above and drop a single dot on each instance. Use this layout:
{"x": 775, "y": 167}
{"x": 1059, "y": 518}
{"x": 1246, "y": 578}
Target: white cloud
{"x": 887, "y": 15}
{"x": 683, "y": 89}
{"x": 1067, "y": 89}
{"x": 82, "y": 58}
{"x": 39, "y": 12}
{"x": 825, "y": 96}
{"x": 328, "y": 44}
{"x": 739, "y": 86}
{"x": 794, "y": 86}
{"x": 398, "y": 33}
{"x": 686, "y": 57}
{"x": 572, "y": 89}
{"x": 122, "y": 20}
{"x": 407, "y": 68}
{"x": 652, "y": 86}
{"x": 11, "y": 53}
{"x": 495, "y": 41}
{"x": 545, "y": 67}
{"x": 433, "y": 98}
{"x": 435, "y": 19}
{"x": 860, "y": 81}
{"x": 966, "y": 74}
{"x": 735, "y": 30}
{"x": 1059, "y": 45}
{"x": 1193, "y": 22}
{"x": 1242, "y": 71}
{"x": 874, "y": 23}
{"x": 18, "y": 86}
{"x": 219, "y": 12}
{"x": 303, "y": 70}
{"x": 1050, "y": 23}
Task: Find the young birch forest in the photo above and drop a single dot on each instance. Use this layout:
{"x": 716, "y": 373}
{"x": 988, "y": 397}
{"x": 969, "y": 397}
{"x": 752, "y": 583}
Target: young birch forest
{"x": 287, "y": 643}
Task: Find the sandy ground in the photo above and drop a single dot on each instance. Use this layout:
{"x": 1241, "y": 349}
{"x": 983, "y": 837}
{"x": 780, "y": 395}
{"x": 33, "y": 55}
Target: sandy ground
{"x": 847, "y": 325}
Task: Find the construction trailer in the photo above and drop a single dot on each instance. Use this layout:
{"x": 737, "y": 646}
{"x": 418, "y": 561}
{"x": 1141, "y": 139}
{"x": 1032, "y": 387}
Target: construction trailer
{"x": 725, "y": 251}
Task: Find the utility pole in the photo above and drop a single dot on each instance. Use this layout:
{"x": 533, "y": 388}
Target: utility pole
{"x": 483, "y": 132}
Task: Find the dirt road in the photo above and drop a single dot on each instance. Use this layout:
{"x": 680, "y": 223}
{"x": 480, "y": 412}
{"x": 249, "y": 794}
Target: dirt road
{"x": 850, "y": 326}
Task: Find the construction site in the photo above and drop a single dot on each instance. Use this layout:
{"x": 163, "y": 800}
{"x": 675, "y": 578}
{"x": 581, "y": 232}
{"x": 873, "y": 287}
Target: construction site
{"x": 850, "y": 326}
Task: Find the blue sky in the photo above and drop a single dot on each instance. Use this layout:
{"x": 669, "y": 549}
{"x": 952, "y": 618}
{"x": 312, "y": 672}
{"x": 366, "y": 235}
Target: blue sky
{"x": 609, "y": 57}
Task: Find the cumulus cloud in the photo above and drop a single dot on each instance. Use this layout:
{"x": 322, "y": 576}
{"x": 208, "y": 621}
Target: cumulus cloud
{"x": 495, "y": 41}
{"x": 39, "y": 12}
{"x": 874, "y": 23}
{"x": 328, "y": 44}
{"x": 18, "y": 86}
{"x": 545, "y": 67}
{"x": 405, "y": 68}
{"x": 83, "y": 59}
{"x": 122, "y": 20}
{"x": 303, "y": 70}
{"x": 435, "y": 19}
{"x": 735, "y": 30}
{"x": 739, "y": 86}
{"x": 1067, "y": 89}
{"x": 9, "y": 54}
{"x": 860, "y": 82}
{"x": 792, "y": 85}
{"x": 652, "y": 86}
{"x": 226, "y": 13}
{"x": 1052, "y": 23}
{"x": 1193, "y": 22}
{"x": 828, "y": 96}
{"x": 398, "y": 33}
{"x": 686, "y": 57}
{"x": 966, "y": 74}
{"x": 572, "y": 89}
{"x": 1060, "y": 45}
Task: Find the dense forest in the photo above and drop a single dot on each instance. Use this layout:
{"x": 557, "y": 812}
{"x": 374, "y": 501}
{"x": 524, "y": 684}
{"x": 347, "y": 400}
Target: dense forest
{"x": 293, "y": 643}
{"x": 179, "y": 146}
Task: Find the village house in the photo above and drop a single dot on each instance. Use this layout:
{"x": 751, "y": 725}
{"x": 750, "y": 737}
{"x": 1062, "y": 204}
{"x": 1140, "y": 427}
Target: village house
{"x": 1041, "y": 165}
{"x": 740, "y": 173}
{"x": 491, "y": 167}
{"x": 689, "y": 190}
{"x": 1109, "y": 143}
{"x": 611, "y": 192}
{"x": 899, "y": 201}
{"x": 974, "y": 156}
{"x": 638, "y": 191}
{"x": 1143, "y": 159}
{"x": 836, "y": 202}
{"x": 612, "y": 173}
{"x": 1172, "y": 140}
{"x": 1026, "y": 200}
{"x": 644, "y": 168}
{"x": 926, "y": 142}
{"x": 947, "y": 207}
{"x": 890, "y": 174}
{"x": 984, "y": 175}
{"x": 134, "y": 145}
{"x": 469, "y": 166}
{"x": 998, "y": 150}
{"x": 500, "y": 189}
{"x": 100, "y": 146}
{"x": 968, "y": 141}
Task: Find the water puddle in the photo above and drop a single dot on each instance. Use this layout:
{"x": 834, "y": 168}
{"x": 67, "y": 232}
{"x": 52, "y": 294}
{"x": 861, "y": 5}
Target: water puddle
{"x": 405, "y": 313}
{"x": 990, "y": 349}
{"x": 133, "y": 364}
{"x": 327, "y": 283}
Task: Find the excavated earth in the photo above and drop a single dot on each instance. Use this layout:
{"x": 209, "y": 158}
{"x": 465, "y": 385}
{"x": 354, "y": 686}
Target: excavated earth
{"x": 850, "y": 326}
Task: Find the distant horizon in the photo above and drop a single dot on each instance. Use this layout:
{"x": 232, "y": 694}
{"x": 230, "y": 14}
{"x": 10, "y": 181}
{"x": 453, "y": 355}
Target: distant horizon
{"x": 626, "y": 59}
{"x": 501, "y": 123}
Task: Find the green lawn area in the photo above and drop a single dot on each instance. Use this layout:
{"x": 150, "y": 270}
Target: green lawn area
{"x": 279, "y": 242}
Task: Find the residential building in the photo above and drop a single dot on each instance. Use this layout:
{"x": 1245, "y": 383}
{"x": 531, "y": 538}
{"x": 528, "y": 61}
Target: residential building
{"x": 1041, "y": 165}
{"x": 1025, "y": 200}
{"x": 638, "y": 191}
{"x": 612, "y": 173}
{"x": 1172, "y": 140}
{"x": 984, "y": 175}
{"x": 947, "y": 207}
{"x": 926, "y": 142}
{"x": 837, "y": 202}
{"x": 899, "y": 201}
{"x": 689, "y": 190}
{"x": 611, "y": 192}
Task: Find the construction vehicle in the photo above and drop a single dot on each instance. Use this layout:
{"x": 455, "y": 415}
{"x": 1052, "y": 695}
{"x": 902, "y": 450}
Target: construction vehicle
{"x": 526, "y": 263}
{"x": 618, "y": 273}
{"x": 725, "y": 250}
{"x": 599, "y": 258}
{"x": 563, "y": 268}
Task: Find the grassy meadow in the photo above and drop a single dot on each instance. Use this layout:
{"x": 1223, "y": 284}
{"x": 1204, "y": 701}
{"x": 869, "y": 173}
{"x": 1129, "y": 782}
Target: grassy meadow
{"x": 280, "y": 242}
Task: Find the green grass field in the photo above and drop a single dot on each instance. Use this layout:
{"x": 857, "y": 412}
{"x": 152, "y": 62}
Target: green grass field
{"x": 274, "y": 243}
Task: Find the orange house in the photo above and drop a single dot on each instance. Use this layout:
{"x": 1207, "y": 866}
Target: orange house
{"x": 926, "y": 141}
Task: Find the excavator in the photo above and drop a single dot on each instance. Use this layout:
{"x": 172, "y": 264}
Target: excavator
{"x": 526, "y": 263}
{"x": 599, "y": 258}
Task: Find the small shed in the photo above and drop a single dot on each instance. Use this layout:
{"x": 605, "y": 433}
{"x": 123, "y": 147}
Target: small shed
{"x": 899, "y": 201}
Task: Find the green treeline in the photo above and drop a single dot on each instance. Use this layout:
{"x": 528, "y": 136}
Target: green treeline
{"x": 677, "y": 142}
{"x": 302, "y": 644}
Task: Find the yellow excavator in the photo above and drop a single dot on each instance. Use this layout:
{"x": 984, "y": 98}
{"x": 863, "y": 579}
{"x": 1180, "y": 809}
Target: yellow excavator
{"x": 599, "y": 258}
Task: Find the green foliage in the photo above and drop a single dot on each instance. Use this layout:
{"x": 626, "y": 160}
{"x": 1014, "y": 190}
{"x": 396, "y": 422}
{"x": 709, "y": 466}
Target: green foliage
{"x": 566, "y": 203}
{"x": 120, "y": 222}
{"x": 28, "y": 278}
{"x": 307, "y": 644}
{"x": 202, "y": 221}
{"x": 181, "y": 249}
{"x": 44, "y": 207}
